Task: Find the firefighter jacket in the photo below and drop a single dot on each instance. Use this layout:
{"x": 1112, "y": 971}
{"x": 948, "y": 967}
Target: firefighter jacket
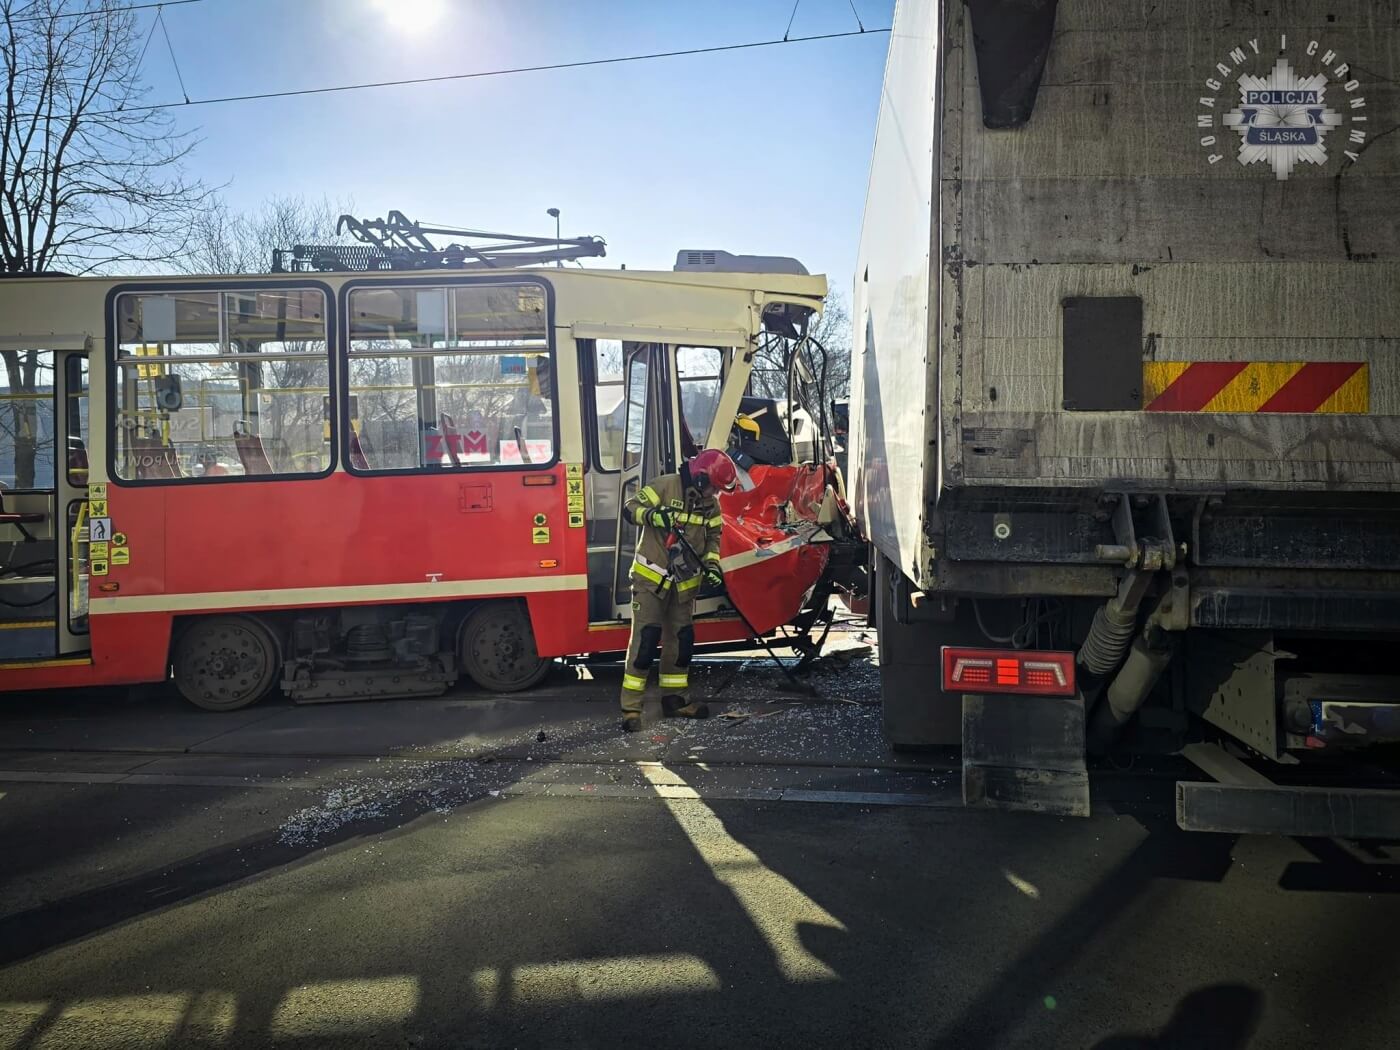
{"x": 661, "y": 561}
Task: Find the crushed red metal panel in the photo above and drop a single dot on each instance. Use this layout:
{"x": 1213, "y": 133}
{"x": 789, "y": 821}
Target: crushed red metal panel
{"x": 774, "y": 524}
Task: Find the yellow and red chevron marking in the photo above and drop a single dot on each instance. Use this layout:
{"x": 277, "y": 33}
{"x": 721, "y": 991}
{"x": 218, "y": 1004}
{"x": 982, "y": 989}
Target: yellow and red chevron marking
{"x": 1256, "y": 386}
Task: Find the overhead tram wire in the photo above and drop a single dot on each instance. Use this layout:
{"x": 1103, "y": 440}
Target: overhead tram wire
{"x": 795, "y": 5}
{"x": 160, "y": 18}
{"x": 546, "y": 67}
{"x": 98, "y": 11}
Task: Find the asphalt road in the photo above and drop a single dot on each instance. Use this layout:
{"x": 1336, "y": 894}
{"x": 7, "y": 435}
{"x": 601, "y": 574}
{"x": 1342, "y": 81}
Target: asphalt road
{"x": 302, "y": 877}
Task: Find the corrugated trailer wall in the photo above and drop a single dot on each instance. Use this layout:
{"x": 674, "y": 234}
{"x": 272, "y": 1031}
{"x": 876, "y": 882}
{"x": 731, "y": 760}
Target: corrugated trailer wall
{"x": 1268, "y": 345}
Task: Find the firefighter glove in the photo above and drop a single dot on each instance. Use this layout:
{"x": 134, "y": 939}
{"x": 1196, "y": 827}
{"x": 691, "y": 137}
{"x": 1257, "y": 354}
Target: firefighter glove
{"x": 713, "y": 577}
{"x": 657, "y": 517}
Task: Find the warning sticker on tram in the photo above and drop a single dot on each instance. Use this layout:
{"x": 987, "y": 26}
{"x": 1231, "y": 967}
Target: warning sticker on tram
{"x": 575, "y": 519}
{"x": 97, "y": 549}
{"x": 99, "y": 528}
{"x": 98, "y": 566}
{"x": 573, "y": 486}
{"x": 573, "y": 470}
{"x": 97, "y": 508}
{"x": 541, "y": 535}
{"x": 121, "y": 556}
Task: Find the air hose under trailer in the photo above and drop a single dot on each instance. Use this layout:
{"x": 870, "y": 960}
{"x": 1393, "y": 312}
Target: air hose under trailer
{"x": 1112, "y": 635}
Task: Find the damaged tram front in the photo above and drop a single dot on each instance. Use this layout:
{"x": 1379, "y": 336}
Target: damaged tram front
{"x": 365, "y": 484}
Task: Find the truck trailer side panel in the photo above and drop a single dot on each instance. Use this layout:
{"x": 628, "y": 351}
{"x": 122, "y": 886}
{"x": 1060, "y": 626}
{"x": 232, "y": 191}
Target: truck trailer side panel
{"x": 1113, "y": 308}
{"x": 892, "y": 385}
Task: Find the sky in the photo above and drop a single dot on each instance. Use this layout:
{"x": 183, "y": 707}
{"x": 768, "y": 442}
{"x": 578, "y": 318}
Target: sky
{"x": 762, "y": 151}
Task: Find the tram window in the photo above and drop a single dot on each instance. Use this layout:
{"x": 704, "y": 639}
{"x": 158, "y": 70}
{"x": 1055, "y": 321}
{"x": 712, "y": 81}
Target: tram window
{"x": 634, "y": 444}
{"x": 698, "y": 369}
{"x": 221, "y": 384}
{"x": 608, "y": 401}
{"x": 76, "y": 421}
{"x": 26, "y": 420}
{"x": 451, "y": 377}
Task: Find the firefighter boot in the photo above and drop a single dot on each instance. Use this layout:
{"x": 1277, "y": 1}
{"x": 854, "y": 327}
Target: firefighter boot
{"x": 631, "y": 721}
{"x": 679, "y": 707}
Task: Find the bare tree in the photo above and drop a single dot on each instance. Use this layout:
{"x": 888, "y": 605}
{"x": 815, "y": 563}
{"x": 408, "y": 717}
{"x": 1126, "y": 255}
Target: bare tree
{"x": 225, "y": 241}
{"x": 89, "y": 176}
{"x": 280, "y": 397}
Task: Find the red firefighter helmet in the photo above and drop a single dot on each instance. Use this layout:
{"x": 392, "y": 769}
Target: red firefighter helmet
{"x": 712, "y": 469}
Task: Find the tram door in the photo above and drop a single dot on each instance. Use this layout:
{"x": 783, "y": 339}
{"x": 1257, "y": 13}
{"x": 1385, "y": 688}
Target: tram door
{"x": 43, "y": 502}
{"x": 654, "y": 406}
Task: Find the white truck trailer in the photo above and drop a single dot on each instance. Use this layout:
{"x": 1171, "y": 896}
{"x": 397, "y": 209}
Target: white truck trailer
{"x": 1124, "y": 433}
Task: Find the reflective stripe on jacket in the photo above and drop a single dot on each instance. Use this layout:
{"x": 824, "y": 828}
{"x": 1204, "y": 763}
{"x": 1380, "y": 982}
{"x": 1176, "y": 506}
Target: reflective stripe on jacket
{"x": 698, "y": 517}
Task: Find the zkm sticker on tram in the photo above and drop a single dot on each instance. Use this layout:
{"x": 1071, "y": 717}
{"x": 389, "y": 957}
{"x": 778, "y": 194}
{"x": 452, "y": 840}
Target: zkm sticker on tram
{"x": 118, "y": 539}
{"x": 540, "y": 535}
{"x": 540, "y": 519}
{"x": 121, "y": 555}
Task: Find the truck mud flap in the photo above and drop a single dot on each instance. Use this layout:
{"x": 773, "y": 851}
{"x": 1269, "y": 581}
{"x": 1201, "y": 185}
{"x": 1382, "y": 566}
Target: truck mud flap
{"x": 1025, "y": 753}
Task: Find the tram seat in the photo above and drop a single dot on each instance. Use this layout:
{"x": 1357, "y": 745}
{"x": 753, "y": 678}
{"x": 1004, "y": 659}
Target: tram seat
{"x": 250, "y": 450}
{"x": 19, "y": 519}
{"x": 153, "y": 458}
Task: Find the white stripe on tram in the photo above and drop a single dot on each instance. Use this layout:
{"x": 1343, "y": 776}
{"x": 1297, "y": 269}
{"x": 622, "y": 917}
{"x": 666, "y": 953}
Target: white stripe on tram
{"x": 380, "y": 592}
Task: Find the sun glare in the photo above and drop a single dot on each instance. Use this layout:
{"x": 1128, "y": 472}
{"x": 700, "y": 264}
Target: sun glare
{"x": 410, "y": 16}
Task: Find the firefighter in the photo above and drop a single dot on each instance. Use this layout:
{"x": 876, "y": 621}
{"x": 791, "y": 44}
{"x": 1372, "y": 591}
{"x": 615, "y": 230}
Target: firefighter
{"x": 679, "y": 524}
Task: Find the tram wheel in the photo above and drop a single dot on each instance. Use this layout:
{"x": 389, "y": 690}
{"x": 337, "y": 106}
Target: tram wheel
{"x": 225, "y": 662}
{"x": 496, "y": 648}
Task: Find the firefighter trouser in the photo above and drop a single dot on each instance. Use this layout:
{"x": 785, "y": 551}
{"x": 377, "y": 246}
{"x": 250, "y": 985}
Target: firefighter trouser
{"x": 661, "y": 621}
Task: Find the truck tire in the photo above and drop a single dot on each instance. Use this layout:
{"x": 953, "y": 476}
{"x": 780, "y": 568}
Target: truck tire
{"x": 915, "y": 713}
{"x": 224, "y": 663}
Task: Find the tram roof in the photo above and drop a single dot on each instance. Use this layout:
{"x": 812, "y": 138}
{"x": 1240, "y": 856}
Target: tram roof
{"x": 814, "y": 285}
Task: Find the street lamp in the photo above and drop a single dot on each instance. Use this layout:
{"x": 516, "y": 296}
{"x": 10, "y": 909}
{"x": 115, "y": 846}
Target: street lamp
{"x": 558, "y": 241}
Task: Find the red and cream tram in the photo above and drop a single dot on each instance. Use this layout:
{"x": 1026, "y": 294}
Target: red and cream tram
{"x": 367, "y": 484}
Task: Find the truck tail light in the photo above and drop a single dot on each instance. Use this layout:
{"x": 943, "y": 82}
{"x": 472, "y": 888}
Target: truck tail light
{"x": 1029, "y": 671}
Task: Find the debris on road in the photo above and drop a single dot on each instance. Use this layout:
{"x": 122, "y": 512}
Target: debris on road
{"x": 444, "y": 775}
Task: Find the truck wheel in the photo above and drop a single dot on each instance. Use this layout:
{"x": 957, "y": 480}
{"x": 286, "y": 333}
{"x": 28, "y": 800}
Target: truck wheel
{"x": 496, "y": 648}
{"x": 226, "y": 662}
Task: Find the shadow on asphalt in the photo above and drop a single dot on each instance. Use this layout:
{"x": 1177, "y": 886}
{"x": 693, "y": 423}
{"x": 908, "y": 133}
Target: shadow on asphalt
{"x": 1219, "y": 1017}
{"x": 939, "y": 929}
{"x": 67, "y": 919}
